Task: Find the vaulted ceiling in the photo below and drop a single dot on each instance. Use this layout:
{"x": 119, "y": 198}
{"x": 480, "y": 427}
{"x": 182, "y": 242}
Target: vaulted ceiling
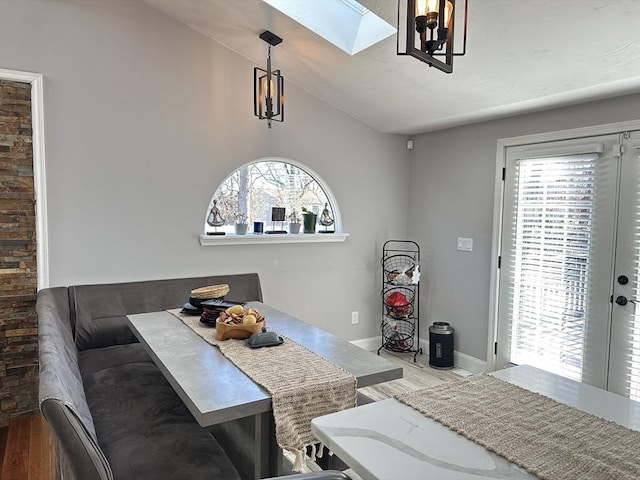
{"x": 522, "y": 56}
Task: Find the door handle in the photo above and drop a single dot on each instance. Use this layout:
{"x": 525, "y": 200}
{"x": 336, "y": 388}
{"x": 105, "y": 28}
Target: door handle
{"x": 622, "y": 300}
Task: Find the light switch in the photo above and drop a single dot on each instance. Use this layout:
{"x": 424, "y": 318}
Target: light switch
{"x": 465, "y": 244}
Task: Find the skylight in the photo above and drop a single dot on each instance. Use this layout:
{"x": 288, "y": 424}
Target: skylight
{"x": 345, "y": 23}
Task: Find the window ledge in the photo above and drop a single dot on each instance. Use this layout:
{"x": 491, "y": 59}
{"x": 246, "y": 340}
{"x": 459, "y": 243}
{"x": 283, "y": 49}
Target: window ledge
{"x": 252, "y": 239}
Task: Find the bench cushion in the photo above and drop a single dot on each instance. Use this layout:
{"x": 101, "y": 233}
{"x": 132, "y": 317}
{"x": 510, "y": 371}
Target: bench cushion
{"x": 91, "y": 361}
{"x": 99, "y": 311}
{"x": 145, "y": 430}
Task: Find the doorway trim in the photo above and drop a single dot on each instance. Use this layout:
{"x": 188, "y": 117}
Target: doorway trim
{"x": 39, "y": 172}
{"x": 498, "y": 204}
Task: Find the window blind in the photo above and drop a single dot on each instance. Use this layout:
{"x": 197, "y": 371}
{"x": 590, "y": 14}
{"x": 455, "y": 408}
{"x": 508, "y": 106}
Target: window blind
{"x": 550, "y": 268}
{"x": 632, "y": 380}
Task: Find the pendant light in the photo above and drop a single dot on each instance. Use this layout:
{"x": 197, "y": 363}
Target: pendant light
{"x": 426, "y": 30}
{"x": 268, "y": 87}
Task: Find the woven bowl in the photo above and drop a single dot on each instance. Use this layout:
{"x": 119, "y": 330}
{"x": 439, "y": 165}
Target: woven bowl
{"x": 211, "y": 291}
{"x": 240, "y": 331}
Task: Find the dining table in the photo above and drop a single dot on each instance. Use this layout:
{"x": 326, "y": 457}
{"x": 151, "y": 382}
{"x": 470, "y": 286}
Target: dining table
{"x": 227, "y": 402}
{"x": 390, "y": 440}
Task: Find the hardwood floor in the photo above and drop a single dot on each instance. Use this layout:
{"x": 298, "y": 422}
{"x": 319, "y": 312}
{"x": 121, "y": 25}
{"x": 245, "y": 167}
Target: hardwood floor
{"x": 28, "y": 450}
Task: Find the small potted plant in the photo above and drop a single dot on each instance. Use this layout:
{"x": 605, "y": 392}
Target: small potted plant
{"x": 294, "y": 223}
{"x": 241, "y": 223}
{"x": 309, "y": 220}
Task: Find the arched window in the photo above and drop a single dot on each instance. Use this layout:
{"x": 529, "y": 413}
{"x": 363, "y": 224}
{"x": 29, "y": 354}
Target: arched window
{"x": 275, "y": 192}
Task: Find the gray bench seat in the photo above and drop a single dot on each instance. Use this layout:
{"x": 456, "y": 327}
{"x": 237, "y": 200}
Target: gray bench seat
{"x": 96, "y": 359}
{"x": 145, "y": 430}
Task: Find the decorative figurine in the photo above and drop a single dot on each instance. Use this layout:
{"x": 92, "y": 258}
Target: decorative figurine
{"x": 326, "y": 220}
{"x": 215, "y": 219}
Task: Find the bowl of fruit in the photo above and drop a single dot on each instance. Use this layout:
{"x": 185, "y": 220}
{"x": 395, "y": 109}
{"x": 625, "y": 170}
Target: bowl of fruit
{"x": 239, "y": 322}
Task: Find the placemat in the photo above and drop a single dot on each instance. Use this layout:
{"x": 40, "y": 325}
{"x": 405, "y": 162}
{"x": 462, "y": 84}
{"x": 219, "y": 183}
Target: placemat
{"x": 547, "y": 438}
{"x": 303, "y": 385}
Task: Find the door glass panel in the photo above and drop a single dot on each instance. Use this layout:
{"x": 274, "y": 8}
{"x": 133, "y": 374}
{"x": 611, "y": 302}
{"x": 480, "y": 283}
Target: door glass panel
{"x": 551, "y": 271}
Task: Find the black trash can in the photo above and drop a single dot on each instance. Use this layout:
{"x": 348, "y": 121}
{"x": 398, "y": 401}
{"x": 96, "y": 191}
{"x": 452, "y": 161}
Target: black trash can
{"x": 441, "y": 345}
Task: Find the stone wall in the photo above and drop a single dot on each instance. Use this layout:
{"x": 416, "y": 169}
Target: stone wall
{"x": 18, "y": 279}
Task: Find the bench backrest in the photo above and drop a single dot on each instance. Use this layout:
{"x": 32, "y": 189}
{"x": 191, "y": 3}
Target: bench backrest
{"x": 99, "y": 312}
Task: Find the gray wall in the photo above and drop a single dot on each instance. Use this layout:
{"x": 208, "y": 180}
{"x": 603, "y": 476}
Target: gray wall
{"x": 144, "y": 118}
{"x": 451, "y": 195}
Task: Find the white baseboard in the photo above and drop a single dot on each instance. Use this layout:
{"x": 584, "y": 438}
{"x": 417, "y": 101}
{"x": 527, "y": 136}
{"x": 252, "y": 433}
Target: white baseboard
{"x": 467, "y": 362}
{"x": 461, "y": 360}
{"x": 371, "y": 343}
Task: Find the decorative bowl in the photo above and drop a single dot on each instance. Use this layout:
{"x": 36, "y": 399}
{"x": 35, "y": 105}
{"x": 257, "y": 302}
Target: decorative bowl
{"x": 210, "y": 291}
{"x": 240, "y": 331}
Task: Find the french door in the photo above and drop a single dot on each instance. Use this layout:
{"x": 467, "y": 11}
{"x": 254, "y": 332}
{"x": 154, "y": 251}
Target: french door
{"x": 624, "y": 357}
{"x": 569, "y": 291}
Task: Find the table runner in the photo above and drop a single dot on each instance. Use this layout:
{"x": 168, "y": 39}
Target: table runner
{"x": 303, "y": 385}
{"x": 547, "y": 438}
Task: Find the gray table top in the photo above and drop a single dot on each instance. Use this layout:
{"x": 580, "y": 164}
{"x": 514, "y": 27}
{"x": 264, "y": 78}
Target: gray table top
{"x": 214, "y": 389}
{"x": 389, "y": 440}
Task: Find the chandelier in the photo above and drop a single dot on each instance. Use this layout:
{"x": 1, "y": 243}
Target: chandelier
{"x": 426, "y": 30}
{"x": 268, "y": 87}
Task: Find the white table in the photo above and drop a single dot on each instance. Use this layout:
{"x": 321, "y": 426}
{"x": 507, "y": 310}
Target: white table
{"x": 389, "y": 440}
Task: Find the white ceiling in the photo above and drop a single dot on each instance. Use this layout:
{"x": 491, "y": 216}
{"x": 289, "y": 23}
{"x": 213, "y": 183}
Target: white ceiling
{"x": 522, "y": 56}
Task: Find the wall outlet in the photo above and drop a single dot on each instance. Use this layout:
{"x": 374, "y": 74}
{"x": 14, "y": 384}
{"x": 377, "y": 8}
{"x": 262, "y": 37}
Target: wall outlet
{"x": 355, "y": 318}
